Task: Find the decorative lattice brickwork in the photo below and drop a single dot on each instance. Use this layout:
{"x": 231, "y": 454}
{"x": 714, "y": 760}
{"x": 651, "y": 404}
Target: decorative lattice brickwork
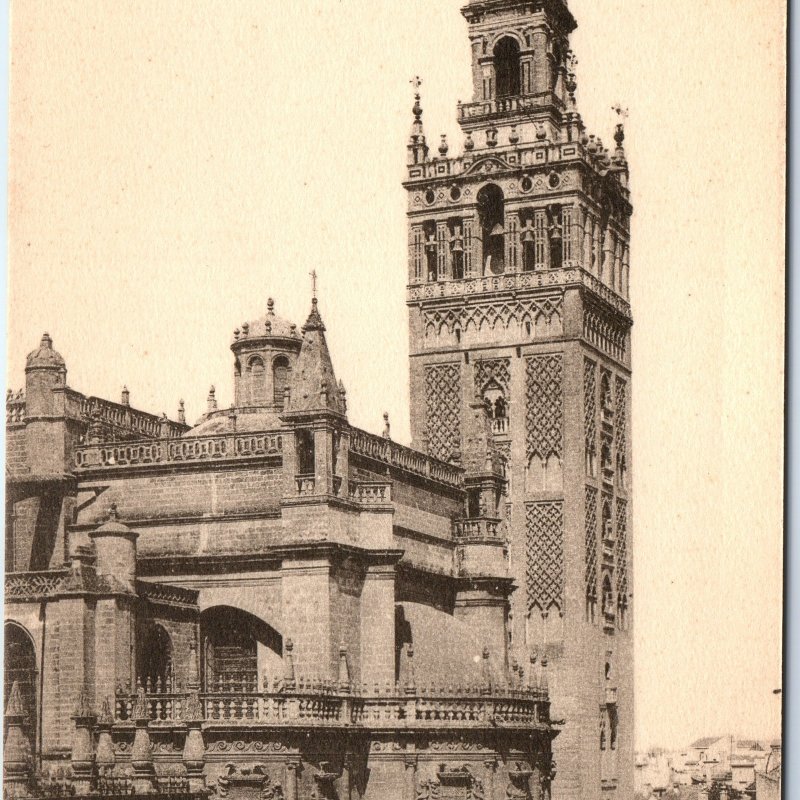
{"x": 443, "y": 410}
{"x": 590, "y": 409}
{"x": 590, "y": 522}
{"x": 493, "y": 369}
{"x": 544, "y": 418}
{"x": 621, "y": 392}
{"x": 545, "y": 555}
{"x": 622, "y": 551}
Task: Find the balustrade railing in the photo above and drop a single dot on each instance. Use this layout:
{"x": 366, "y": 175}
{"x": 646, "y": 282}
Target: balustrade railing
{"x": 176, "y": 451}
{"x": 379, "y": 448}
{"x": 364, "y": 706}
{"x": 479, "y": 529}
{"x": 500, "y": 425}
{"x": 572, "y": 273}
{"x": 371, "y": 493}
{"x": 129, "y": 419}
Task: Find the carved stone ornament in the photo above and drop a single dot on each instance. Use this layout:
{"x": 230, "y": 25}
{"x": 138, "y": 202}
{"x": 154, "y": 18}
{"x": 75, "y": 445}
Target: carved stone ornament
{"x": 519, "y": 782}
{"x": 451, "y": 784}
{"x": 247, "y": 783}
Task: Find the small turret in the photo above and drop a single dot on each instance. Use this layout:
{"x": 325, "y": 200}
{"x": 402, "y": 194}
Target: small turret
{"x": 115, "y": 550}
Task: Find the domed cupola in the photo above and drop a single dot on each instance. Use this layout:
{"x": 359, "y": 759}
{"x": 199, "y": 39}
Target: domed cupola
{"x": 266, "y": 350}
{"x": 45, "y": 357}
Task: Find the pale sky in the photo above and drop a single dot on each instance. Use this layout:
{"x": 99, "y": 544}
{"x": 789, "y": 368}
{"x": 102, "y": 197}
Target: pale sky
{"x": 174, "y": 164}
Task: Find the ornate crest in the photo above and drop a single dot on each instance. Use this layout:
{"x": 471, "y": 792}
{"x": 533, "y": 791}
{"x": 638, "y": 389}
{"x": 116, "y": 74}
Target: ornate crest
{"x": 248, "y": 783}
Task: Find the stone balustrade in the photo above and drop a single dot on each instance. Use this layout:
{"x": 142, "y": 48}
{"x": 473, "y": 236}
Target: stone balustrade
{"x": 482, "y": 530}
{"x": 172, "y": 451}
{"x": 371, "y": 493}
{"x": 573, "y": 273}
{"x": 368, "y": 706}
{"x": 385, "y": 451}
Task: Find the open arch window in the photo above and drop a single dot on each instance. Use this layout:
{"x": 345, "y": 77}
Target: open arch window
{"x": 507, "y": 67}
{"x": 154, "y": 653}
{"x": 20, "y": 667}
{"x": 255, "y": 380}
{"x": 608, "y": 597}
{"x": 491, "y": 215}
{"x": 305, "y": 451}
{"x": 496, "y": 406}
{"x": 236, "y": 647}
{"x": 281, "y": 372}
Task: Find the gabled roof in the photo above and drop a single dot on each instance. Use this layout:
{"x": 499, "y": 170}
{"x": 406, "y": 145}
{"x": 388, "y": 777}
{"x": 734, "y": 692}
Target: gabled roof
{"x": 702, "y": 744}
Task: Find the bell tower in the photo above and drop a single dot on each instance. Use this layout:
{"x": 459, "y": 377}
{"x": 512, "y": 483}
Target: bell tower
{"x": 518, "y": 299}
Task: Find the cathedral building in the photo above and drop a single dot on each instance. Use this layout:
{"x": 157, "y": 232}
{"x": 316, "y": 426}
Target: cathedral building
{"x": 273, "y": 603}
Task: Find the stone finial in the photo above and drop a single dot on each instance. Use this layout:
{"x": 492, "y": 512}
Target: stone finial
{"x": 113, "y": 513}
{"x": 288, "y": 665}
{"x": 469, "y": 142}
{"x": 411, "y": 683}
{"x": 486, "y": 671}
{"x": 343, "y": 396}
{"x": 245, "y": 329}
{"x": 236, "y": 333}
{"x": 16, "y": 748}
{"x": 543, "y": 681}
{"x": 106, "y": 717}
{"x": 83, "y": 709}
{"x": 532, "y": 671}
{"x": 212, "y": 398}
{"x": 126, "y": 396}
{"x": 181, "y": 412}
{"x": 443, "y": 146}
{"x": 513, "y": 135}
{"x": 270, "y": 307}
{"x": 386, "y": 426}
{"x": 140, "y": 706}
{"x": 344, "y": 669}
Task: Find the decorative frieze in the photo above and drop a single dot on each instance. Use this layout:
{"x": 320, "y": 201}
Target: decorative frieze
{"x": 534, "y": 317}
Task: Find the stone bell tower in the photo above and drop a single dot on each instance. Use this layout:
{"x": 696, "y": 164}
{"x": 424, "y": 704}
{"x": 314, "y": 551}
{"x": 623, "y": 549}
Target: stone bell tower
{"x": 518, "y": 298}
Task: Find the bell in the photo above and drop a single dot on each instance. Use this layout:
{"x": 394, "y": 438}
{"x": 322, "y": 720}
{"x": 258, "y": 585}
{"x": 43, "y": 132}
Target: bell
{"x": 528, "y": 235}
{"x": 497, "y": 230}
{"x": 457, "y": 246}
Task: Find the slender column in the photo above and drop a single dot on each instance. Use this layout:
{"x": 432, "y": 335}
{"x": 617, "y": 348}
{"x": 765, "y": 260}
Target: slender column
{"x": 491, "y": 767}
{"x": 443, "y": 267}
{"x": 410, "y": 763}
{"x": 290, "y": 781}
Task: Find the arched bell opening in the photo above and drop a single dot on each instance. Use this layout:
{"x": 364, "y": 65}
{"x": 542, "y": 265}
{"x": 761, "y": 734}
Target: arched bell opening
{"x": 491, "y": 215}
{"x": 507, "y": 67}
{"x": 281, "y": 374}
{"x": 20, "y": 666}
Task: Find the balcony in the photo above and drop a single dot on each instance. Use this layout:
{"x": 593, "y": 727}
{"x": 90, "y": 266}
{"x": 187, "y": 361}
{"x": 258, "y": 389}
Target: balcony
{"x": 324, "y": 703}
{"x": 371, "y": 493}
{"x": 500, "y": 426}
{"x": 305, "y": 484}
{"x": 479, "y": 530}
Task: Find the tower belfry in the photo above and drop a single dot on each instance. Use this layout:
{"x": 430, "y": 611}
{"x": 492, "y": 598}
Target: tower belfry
{"x": 518, "y": 302}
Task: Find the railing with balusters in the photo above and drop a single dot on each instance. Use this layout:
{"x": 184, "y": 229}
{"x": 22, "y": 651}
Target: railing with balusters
{"x": 176, "y": 451}
{"x": 369, "y": 706}
{"x": 388, "y": 452}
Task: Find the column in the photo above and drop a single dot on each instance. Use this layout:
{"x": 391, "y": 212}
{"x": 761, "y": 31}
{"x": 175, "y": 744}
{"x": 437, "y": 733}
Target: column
{"x": 587, "y": 223}
{"x": 512, "y": 242}
{"x": 290, "y": 779}
{"x": 410, "y": 763}
{"x": 443, "y": 251}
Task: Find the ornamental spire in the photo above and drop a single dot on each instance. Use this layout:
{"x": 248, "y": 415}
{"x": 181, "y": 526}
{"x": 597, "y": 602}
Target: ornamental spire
{"x": 417, "y": 147}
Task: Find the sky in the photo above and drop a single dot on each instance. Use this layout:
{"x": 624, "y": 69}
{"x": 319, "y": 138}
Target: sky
{"x": 173, "y": 165}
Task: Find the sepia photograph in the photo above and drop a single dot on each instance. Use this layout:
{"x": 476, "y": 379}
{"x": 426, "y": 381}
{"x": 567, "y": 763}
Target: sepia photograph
{"x": 395, "y": 400}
